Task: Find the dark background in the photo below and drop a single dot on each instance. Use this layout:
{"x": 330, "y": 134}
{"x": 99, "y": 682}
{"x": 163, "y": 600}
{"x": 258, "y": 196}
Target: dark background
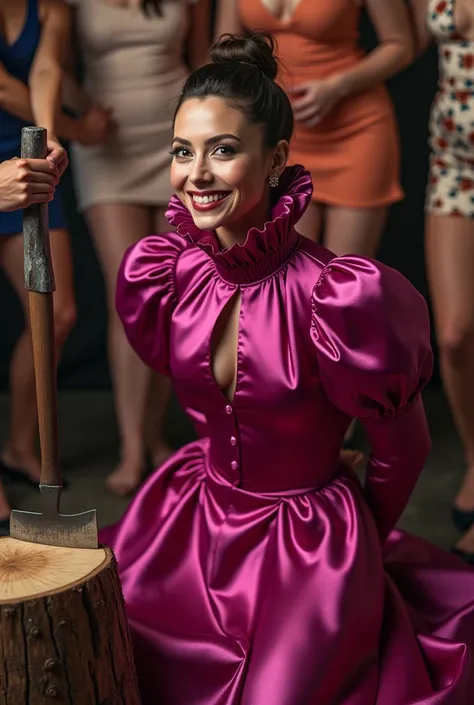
{"x": 84, "y": 363}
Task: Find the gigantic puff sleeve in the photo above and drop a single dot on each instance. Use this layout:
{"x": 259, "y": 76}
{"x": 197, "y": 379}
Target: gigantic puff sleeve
{"x": 372, "y": 335}
{"x": 146, "y": 296}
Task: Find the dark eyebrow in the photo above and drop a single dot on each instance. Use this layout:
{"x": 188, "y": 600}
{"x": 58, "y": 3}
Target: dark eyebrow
{"x": 211, "y": 140}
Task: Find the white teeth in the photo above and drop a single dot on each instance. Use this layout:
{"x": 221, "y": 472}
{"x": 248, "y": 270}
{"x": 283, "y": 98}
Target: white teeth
{"x": 209, "y": 199}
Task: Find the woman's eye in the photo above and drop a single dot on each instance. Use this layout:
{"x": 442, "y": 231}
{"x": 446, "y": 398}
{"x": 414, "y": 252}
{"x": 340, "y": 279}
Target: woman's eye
{"x": 180, "y": 152}
{"x": 223, "y": 150}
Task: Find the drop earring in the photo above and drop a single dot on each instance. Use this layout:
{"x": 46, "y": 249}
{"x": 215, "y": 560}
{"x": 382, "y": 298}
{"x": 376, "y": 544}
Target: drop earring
{"x": 273, "y": 180}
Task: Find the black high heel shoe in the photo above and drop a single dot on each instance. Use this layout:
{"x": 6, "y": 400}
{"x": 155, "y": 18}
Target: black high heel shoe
{"x": 12, "y": 475}
{"x": 467, "y": 557}
{"x": 5, "y": 527}
{"x": 462, "y": 519}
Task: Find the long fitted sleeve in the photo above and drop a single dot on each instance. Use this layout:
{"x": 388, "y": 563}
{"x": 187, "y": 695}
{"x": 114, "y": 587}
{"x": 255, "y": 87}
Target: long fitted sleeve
{"x": 372, "y": 335}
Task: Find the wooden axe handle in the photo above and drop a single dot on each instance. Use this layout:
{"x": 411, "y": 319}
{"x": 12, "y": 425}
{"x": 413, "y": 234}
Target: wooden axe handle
{"x": 39, "y": 280}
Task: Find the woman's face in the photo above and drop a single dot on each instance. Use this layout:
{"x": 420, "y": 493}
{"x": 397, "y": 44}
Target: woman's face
{"x": 220, "y": 167}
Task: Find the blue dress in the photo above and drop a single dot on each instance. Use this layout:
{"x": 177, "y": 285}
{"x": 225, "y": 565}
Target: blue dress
{"x": 17, "y": 59}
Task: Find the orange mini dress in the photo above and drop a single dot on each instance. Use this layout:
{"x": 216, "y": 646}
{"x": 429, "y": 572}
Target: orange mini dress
{"x": 353, "y": 154}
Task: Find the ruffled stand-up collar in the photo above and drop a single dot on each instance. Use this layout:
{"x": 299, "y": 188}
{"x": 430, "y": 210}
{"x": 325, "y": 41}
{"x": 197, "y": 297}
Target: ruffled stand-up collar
{"x": 265, "y": 250}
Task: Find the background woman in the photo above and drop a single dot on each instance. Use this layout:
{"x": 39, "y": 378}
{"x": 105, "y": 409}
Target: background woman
{"x": 450, "y": 223}
{"x": 34, "y": 37}
{"x": 133, "y": 54}
{"x": 346, "y": 134}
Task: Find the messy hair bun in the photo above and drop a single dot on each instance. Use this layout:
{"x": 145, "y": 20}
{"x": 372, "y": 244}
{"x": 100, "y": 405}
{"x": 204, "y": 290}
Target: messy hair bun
{"x": 254, "y": 48}
{"x": 242, "y": 72}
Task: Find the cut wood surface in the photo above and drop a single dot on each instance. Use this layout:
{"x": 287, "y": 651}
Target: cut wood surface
{"x": 64, "y": 637}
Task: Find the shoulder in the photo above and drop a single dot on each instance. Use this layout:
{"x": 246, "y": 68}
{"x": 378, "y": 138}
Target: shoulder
{"x": 371, "y": 330}
{"x": 355, "y": 282}
{"x": 55, "y": 10}
{"x": 307, "y": 265}
{"x": 369, "y": 308}
{"x": 154, "y": 251}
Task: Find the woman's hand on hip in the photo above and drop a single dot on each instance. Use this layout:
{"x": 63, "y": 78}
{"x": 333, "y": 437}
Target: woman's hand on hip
{"x": 314, "y": 100}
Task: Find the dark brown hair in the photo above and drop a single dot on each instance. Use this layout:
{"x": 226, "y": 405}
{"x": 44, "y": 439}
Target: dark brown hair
{"x": 242, "y": 72}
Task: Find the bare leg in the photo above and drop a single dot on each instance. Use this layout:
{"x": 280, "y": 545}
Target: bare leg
{"x": 115, "y": 227}
{"x": 160, "y": 388}
{"x": 450, "y": 263}
{"x": 4, "y": 505}
{"x": 354, "y": 231}
{"x": 310, "y": 224}
{"x": 466, "y": 543}
{"x": 20, "y": 448}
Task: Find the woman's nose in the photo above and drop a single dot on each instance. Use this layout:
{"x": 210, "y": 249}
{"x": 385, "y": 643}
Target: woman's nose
{"x": 200, "y": 173}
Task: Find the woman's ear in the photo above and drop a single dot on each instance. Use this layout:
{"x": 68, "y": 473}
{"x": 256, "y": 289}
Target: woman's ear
{"x": 280, "y": 157}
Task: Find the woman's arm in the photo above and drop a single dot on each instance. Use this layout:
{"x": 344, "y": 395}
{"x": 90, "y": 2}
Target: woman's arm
{"x": 74, "y": 96}
{"x": 199, "y": 36}
{"x": 227, "y": 18}
{"x": 395, "y": 51}
{"x": 15, "y": 98}
{"x": 423, "y": 37}
{"x": 45, "y": 79}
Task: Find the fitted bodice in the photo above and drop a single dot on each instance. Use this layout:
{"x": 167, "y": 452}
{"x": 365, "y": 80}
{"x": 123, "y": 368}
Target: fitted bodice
{"x": 17, "y": 58}
{"x": 308, "y": 356}
{"x": 319, "y": 38}
{"x": 280, "y": 412}
{"x": 456, "y": 54}
{"x": 125, "y": 50}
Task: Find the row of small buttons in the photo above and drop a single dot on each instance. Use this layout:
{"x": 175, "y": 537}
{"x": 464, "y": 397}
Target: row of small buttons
{"x": 233, "y": 440}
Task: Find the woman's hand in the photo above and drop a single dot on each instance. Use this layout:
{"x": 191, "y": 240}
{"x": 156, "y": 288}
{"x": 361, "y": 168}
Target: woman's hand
{"x": 314, "y": 100}
{"x": 26, "y": 181}
{"x": 57, "y": 155}
{"x": 96, "y": 125}
{"x": 353, "y": 458}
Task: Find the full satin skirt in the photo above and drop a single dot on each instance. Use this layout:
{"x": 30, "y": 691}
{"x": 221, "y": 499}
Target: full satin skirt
{"x": 237, "y": 598}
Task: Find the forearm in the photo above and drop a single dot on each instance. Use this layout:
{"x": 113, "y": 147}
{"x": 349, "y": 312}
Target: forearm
{"x": 381, "y": 64}
{"x": 45, "y": 95}
{"x": 68, "y": 128}
{"x": 15, "y": 97}
{"x": 74, "y": 96}
{"x": 422, "y": 36}
{"x": 400, "y": 448}
{"x": 227, "y": 18}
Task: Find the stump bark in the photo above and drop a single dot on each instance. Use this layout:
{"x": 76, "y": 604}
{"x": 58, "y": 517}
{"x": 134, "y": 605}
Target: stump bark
{"x": 64, "y": 636}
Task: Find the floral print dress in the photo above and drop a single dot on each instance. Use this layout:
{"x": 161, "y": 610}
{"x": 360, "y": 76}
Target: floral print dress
{"x": 451, "y": 181}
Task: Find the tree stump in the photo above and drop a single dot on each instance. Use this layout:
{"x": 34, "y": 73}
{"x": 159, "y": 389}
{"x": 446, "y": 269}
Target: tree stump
{"x": 64, "y": 637}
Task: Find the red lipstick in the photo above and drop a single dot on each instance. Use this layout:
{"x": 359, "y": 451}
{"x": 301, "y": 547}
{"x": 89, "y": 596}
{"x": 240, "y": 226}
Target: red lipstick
{"x": 204, "y": 201}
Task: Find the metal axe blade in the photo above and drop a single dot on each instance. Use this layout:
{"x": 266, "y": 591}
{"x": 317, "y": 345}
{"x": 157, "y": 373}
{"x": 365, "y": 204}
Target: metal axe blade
{"x": 52, "y": 528}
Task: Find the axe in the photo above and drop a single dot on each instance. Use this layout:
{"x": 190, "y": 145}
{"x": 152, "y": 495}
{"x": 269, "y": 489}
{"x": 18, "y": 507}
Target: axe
{"x": 49, "y": 526}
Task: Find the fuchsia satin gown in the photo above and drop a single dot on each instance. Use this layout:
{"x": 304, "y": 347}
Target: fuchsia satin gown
{"x": 256, "y": 569}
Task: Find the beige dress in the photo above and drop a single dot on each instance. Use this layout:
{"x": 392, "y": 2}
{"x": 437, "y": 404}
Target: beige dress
{"x": 133, "y": 65}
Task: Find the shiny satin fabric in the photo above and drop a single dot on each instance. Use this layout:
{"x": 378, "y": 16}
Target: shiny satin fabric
{"x": 256, "y": 569}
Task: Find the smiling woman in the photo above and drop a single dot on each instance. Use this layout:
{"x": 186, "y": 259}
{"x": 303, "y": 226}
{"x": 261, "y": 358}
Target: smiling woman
{"x": 224, "y": 176}
{"x": 256, "y": 569}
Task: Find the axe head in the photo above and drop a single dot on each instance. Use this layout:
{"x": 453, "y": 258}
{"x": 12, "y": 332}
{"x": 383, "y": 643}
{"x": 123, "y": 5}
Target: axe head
{"x": 52, "y": 528}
